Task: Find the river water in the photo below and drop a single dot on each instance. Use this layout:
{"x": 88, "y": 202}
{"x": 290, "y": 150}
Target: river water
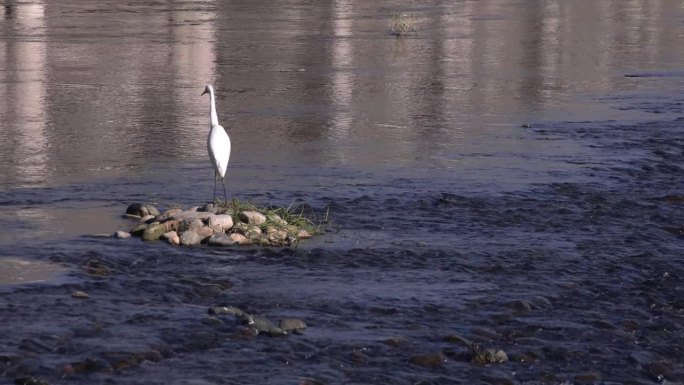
{"x": 510, "y": 174}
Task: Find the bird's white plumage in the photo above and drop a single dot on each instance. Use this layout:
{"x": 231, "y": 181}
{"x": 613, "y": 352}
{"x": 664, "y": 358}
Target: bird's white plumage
{"x": 218, "y": 145}
{"x": 218, "y": 142}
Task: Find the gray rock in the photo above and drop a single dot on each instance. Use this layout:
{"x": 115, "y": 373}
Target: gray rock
{"x": 277, "y": 332}
{"x": 292, "y": 325}
{"x": 191, "y": 215}
{"x": 204, "y": 232}
{"x": 122, "y": 234}
{"x": 220, "y": 239}
{"x": 253, "y": 217}
{"x": 189, "y": 238}
{"x": 190, "y": 224}
{"x": 153, "y": 232}
{"x": 142, "y": 210}
{"x": 223, "y": 221}
{"x": 303, "y": 234}
{"x": 454, "y": 338}
{"x": 249, "y": 231}
{"x": 131, "y": 216}
{"x": 261, "y": 324}
{"x": 167, "y": 214}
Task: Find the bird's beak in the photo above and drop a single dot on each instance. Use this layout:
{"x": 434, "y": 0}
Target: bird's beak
{"x": 205, "y": 91}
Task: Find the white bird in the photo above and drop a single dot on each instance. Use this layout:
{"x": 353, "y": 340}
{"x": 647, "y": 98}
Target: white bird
{"x": 218, "y": 143}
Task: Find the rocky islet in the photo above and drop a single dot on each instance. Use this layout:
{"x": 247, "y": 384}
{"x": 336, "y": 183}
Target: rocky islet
{"x": 225, "y": 224}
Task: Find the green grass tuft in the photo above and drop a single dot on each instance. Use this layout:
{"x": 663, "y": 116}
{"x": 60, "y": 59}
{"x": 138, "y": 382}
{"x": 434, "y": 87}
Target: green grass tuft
{"x": 402, "y": 25}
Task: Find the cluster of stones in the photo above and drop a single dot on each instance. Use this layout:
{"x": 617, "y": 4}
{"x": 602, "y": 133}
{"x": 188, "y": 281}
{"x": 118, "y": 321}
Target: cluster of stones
{"x": 212, "y": 224}
{"x": 256, "y": 325}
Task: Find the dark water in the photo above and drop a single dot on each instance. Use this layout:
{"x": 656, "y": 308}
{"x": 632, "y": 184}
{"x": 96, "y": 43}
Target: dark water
{"x": 512, "y": 174}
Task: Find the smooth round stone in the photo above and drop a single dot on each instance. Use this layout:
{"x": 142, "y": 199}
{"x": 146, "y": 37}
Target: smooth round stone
{"x": 303, "y": 234}
{"x": 122, "y": 234}
{"x": 253, "y": 217}
{"x": 189, "y": 238}
{"x": 292, "y": 325}
{"x": 142, "y": 210}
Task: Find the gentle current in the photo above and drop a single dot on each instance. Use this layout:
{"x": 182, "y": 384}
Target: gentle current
{"x": 511, "y": 174}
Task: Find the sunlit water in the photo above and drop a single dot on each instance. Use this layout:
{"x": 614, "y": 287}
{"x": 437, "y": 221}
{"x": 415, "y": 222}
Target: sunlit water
{"x": 509, "y": 153}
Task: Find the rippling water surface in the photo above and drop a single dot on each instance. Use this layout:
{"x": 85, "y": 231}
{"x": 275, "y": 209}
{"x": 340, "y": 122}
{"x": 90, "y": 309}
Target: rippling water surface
{"x": 511, "y": 175}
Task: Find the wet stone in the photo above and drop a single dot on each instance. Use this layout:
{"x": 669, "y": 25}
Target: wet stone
{"x": 122, "y": 234}
{"x": 226, "y": 310}
{"x": 429, "y": 360}
{"x": 139, "y": 229}
{"x": 456, "y": 339}
{"x": 483, "y": 356}
{"x": 190, "y": 224}
{"x": 292, "y": 325}
{"x": 204, "y": 232}
{"x": 80, "y": 294}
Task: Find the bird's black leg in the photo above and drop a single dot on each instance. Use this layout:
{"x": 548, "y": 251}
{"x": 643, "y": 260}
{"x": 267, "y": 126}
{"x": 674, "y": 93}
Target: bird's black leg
{"x": 215, "y": 175}
{"x": 225, "y": 197}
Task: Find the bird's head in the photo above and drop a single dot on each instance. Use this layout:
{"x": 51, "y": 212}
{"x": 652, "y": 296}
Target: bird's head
{"x": 207, "y": 89}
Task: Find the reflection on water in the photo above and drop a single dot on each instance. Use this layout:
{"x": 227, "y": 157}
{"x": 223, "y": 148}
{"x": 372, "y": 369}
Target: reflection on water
{"x": 15, "y": 271}
{"x": 101, "y": 89}
{"x": 25, "y": 141}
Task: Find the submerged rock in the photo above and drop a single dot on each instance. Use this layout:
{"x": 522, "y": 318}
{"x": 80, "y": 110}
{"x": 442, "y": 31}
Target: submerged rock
{"x": 122, "y": 234}
{"x": 292, "y": 325}
{"x": 482, "y": 356}
{"x": 429, "y": 360}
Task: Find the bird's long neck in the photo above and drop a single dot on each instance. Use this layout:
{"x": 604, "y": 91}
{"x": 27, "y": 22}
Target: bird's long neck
{"x": 212, "y": 109}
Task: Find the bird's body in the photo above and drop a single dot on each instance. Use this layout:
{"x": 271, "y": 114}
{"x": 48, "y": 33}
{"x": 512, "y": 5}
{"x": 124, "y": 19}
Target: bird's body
{"x": 218, "y": 143}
